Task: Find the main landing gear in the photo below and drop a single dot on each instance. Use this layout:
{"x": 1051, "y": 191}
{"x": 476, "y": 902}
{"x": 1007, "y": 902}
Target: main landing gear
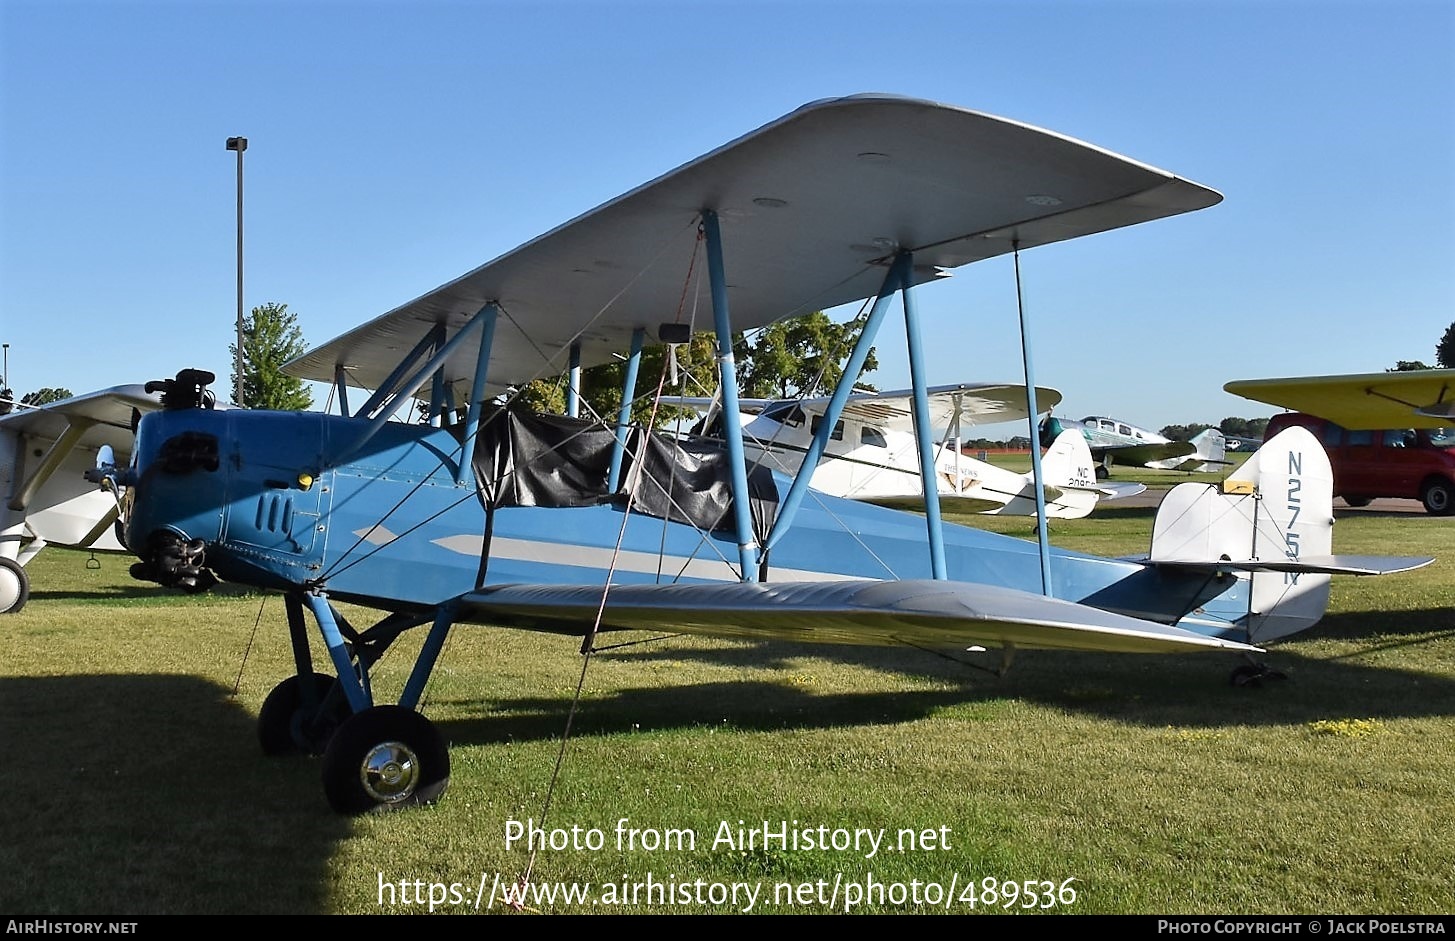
{"x": 376, "y": 758}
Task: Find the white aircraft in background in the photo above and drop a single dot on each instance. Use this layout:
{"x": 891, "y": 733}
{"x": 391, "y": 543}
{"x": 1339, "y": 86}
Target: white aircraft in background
{"x": 45, "y": 452}
{"x": 872, "y": 455}
{"x": 1112, "y": 440}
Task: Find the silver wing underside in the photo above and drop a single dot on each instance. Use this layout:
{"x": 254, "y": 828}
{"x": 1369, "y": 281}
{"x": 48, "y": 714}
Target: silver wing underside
{"x": 811, "y": 208}
{"x": 914, "y": 612}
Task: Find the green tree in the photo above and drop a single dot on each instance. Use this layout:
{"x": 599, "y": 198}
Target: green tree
{"x": 1445, "y": 349}
{"x": 601, "y": 385}
{"x": 794, "y": 357}
{"x": 45, "y": 396}
{"x": 1407, "y": 365}
{"x": 271, "y": 337}
{"x": 802, "y": 356}
{"x": 1243, "y": 427}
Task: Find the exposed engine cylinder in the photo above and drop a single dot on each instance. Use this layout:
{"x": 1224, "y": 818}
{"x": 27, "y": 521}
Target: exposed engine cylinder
{"x": 188, "y": 390}
{"x": 174, "y": 562}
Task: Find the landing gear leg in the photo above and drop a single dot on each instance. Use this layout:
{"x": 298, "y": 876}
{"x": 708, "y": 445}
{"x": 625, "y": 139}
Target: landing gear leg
{"x": 375, "y": 757}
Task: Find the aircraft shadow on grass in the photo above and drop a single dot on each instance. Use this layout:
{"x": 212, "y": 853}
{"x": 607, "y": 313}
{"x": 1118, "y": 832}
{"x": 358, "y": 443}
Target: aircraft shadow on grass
{"x": 1150, "y": 691}
{"x": 123, "y": 797}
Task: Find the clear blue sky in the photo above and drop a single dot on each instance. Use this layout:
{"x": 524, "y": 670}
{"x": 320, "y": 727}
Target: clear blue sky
{"x": 394, "y": 146}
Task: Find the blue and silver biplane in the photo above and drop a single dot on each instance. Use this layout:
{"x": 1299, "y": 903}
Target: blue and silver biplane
{"x": 485, "y": 513}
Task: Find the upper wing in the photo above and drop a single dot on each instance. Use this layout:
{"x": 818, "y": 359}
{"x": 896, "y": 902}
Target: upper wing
{"x": 105, "y": 414}
{"x": 975, "y": 403}
{"x": 915, "y": 612}
{"x": 811, "y": 205}
{"x": 1417, "y": 399}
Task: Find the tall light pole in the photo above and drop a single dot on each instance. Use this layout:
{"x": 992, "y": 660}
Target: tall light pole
{"x": 238, "y": 144}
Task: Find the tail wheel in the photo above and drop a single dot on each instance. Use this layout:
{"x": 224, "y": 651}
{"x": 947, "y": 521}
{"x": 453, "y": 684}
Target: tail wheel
{"x": 1358, "y": 501}
{"x": 14, "y": 586}
{"x": 1438, "y": 496}
{"x": 384, "y": 759}
{"x": 291, "y": 723}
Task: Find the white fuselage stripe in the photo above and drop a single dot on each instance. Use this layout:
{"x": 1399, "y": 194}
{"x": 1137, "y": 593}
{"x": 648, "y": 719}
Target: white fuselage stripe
{"x": 626, "y": 560}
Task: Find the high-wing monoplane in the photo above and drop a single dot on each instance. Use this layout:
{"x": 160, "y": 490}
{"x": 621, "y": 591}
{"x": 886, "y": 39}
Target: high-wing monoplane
{"x": 486, "y": 513}
{"x": 872, "y": 454}
{"x": 45, "y": 453}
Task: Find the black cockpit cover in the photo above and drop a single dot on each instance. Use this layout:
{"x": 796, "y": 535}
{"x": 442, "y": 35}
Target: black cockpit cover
{"x": 526, "y": 459}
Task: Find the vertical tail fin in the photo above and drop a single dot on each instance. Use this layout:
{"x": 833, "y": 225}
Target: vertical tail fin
{"x": 1212, "y": 450}
{"x": 1068, "y": 462}
{"x": 1277, "y": 507}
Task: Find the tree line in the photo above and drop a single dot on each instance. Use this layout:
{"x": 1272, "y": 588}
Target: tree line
{"x": 803, "y": 356}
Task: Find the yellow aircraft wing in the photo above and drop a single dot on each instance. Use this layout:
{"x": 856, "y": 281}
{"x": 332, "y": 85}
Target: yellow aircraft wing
{"x": 1423, "y": 398}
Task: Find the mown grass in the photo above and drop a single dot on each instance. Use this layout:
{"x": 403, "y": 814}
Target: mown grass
{"x": 135, "y": 785}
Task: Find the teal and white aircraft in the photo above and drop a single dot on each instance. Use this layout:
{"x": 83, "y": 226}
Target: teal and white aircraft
{"x": 487, "y": 514}
{"x": 1112, "y": 440}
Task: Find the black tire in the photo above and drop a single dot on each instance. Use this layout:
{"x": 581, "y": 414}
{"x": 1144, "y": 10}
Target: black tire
{"x": 1358, "y": 501}
{"x": 287, "y": 727}
{"x": 384, "y": 759}
{"x": 1438, "y": 496}
{"x": 1102, "y": 473}
{"x": 14, "y": 586}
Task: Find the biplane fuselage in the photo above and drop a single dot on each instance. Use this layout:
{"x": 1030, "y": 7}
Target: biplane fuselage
{"x": 577, "y": 528}
{"x": 281, "y": 510}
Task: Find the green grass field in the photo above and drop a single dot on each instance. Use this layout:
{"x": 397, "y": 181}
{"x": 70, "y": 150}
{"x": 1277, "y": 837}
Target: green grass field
{"x": 1092, "y": 783}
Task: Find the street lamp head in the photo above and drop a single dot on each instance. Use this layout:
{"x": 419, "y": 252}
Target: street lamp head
{"x": 237, "y": 143}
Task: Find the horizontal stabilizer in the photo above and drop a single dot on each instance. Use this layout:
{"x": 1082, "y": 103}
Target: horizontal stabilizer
{"x": 1111, "y": 491}
{"x": 1314, "y": 565}
{"x": 914, "y": 612}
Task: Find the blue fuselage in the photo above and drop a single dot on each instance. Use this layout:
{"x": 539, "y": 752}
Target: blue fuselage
{"x": 399, "y": 525}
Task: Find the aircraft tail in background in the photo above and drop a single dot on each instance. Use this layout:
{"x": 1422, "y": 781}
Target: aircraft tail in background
{"x": 1210, "y": 456}
{"x": 1072, "y": 490}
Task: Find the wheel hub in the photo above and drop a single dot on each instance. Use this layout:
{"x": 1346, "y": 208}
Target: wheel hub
{"x": 389, "y": 772}
{"x": 9, "y": 589}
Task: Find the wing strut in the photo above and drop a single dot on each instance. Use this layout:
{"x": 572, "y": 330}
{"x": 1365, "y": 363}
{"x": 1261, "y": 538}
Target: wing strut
{"x": 923, "y": 433}
{"x": 573, "y": 385}
{"x": 624, "y": 415}
{"x": 489, "y": 314}
{"x": 76, "y": 426}
{"x": 340, "y": 382}
{"x": 728, "y": 379}
{"x": 430, "y": 341}
{"x": 403, "y": 389}
{"x": 1038, "y": 480}
{"x": 789, "y": 507}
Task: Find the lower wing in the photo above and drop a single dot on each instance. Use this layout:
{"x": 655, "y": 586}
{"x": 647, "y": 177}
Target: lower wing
{"x": 914, "y": 612}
